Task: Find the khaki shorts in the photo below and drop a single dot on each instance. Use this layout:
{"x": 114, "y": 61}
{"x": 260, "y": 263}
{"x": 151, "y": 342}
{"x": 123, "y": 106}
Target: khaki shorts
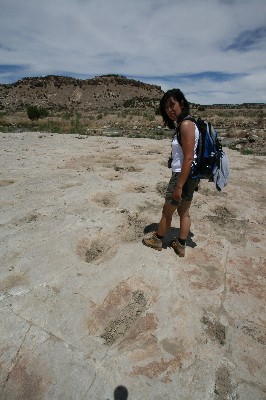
{"x": 187, "y": 192}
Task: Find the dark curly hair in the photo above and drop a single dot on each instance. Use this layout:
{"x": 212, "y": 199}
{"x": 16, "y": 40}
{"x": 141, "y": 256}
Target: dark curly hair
{"x": 177, "y": 95}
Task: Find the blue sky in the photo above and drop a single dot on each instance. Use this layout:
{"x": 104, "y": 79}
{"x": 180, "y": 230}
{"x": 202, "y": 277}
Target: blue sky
{"x": 213, "y": 50}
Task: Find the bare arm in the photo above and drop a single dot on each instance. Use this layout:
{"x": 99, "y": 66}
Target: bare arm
{"x": 187, "y": 133}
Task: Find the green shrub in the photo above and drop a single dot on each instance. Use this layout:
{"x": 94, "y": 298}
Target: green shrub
{"x": 247, "y": 151}
{"x": 50, "y": 126}
{"x": 33, "y": 113}
{"x": 43, "y": 112}
{"x": 201, "y": 108}
{"x": 77, "y": 126}
{"x": 149, "y": 116}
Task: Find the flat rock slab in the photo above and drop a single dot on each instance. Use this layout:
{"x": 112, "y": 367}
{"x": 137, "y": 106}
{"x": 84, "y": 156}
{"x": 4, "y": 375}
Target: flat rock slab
{"x": 88, "y": 312}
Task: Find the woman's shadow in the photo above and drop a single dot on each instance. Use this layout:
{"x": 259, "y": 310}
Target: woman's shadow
{"x": 171, "y": 234}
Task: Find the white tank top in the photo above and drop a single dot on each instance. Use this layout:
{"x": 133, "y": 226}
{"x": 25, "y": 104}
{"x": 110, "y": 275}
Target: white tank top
{"x": 177, "y": 152}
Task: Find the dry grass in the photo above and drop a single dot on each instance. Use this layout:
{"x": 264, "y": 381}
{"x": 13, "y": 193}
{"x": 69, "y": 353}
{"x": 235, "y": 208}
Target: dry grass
{"x": 231, "y": 123}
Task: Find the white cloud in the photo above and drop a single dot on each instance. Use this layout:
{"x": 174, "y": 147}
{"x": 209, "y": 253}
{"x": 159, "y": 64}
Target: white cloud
{"x": 138, "y": 38}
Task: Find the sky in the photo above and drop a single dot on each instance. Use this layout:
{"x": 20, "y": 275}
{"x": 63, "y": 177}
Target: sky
{"x": 213, "y": 50}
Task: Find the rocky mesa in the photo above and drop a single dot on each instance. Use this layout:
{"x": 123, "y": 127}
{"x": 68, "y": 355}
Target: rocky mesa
{"x": 59, "y": 92}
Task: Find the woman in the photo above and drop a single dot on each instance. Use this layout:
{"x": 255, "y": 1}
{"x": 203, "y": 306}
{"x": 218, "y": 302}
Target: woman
{"x": 174, "y": 109}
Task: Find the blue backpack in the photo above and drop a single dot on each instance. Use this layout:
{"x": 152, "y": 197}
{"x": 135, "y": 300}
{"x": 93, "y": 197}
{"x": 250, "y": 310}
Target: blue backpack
{"x": 209, "y": 150}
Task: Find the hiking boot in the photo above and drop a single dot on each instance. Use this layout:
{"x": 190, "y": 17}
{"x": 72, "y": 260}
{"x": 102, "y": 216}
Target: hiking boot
{"x": 179, "y": 249}
{"x": 151, "y": 240}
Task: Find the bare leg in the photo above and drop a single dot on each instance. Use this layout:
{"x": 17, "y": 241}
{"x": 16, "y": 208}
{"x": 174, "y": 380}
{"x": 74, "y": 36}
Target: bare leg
{"x": 183, "y": 212}
{"x": 165, "y": 225}
{"x": 166, "y": 219}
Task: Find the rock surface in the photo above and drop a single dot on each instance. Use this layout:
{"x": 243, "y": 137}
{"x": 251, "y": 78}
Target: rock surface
{"x": 86, "y": 308}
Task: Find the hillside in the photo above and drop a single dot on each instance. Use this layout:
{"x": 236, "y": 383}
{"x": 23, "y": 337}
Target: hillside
{"x": 109, "y": 92}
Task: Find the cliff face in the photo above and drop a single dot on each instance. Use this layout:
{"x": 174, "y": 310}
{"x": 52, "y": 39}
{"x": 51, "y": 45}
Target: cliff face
{"x": 57, "y": 92}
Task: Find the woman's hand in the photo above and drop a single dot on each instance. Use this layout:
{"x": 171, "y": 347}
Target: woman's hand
{"x": 177, "y": 193}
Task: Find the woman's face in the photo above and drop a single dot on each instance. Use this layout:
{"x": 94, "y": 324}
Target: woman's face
{"x": 173, "y": 109}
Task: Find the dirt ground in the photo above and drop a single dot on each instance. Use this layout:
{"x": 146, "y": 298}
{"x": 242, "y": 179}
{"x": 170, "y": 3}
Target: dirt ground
{"x": 86, "y": 308}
